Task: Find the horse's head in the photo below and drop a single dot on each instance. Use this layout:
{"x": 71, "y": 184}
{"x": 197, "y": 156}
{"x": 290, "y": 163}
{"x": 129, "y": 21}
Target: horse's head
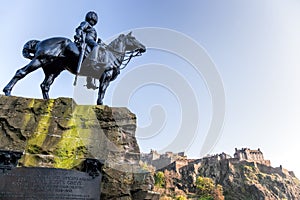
{"x": 126, "y": 47}
{"x": 132, "y": 44}
{"x": 29, "y": 49}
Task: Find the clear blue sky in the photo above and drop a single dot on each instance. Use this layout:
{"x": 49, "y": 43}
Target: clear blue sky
{"x": 254, "y": 45}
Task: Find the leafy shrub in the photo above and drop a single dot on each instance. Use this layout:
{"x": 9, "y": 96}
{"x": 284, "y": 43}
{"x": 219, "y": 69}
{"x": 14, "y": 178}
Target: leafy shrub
{"x": 159, "y": 178}
{"x": 180, "y": 197}
{"x": 207, "y": 189}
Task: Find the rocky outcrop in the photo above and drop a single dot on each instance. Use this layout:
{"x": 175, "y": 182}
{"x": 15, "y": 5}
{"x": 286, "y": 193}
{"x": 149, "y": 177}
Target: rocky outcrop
{"x": 241, "y": 180}
{"x": 58, "y": 133}
{"x": 251, "y": 180}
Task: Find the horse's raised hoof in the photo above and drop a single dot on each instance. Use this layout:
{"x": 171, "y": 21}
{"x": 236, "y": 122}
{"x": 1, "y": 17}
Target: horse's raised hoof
{"x": 6, "y": 92}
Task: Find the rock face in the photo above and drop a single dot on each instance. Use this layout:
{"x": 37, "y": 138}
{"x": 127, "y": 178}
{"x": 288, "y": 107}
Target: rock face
{"x": 240, "y": 179}
{"x": 251, "y": 180}
{"x": 57, "y": 133}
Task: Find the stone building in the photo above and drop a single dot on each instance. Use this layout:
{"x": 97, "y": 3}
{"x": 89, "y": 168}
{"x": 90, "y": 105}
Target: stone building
{"x": 153, "y": 155}
{"x": 161, "y": 160}
{"x": 215, "y": 157}
{"x": 175, "y": 161}
{"x": 251, "y": 155}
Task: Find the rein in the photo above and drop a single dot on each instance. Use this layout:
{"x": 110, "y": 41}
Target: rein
{"x": 129, "y": 55}
{"x": 132, "y": 54}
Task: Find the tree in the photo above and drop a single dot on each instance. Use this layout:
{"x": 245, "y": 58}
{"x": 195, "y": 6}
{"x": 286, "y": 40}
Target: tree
{"x": 159, "y": 178}
{"x": 218, "y": 192}
{"x": 180, "y": 197}
{"x": 207, "y": 189}
{"x": 206, "y": 198}
{"x": 204, "y": 185}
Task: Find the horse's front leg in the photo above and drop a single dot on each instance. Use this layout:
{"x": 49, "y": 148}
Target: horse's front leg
{"x": 21, "y": 73}
{"x": 104, "y": 82}
{"x": 45, "y": 86}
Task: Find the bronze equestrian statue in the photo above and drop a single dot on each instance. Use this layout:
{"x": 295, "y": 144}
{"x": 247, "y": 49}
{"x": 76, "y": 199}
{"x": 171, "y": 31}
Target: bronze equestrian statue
{"x": 57, "y": 54}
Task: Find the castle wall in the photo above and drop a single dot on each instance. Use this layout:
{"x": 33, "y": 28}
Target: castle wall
{"x": 161, "y": 160}
{"x": 176, "y": 161}
{"x": 271, "y": 170}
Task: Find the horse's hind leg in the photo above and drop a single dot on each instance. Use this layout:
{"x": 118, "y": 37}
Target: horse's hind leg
{"x": 21, "y": 73}
{"x": 45, "y": 85}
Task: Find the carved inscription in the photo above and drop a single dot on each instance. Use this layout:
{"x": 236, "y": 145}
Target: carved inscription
{"x": 45, "y": 183}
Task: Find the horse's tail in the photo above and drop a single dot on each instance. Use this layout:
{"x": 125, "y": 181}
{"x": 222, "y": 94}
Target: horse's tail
{"x": 29, "y": 49}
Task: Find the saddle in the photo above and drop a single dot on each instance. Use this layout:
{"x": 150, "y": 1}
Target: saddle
{"x": 89, "y": 67}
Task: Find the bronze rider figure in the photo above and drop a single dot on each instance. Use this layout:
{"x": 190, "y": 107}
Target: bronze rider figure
{"x": 87, "y": 27}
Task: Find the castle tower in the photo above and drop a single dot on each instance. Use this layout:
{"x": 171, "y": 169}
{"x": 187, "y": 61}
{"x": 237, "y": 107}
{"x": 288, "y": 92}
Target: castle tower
{"x": 251, "y": 155}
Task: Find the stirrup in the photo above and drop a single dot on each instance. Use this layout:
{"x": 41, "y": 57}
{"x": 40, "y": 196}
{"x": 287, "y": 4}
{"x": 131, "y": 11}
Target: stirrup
{"x": 91, "y": 86}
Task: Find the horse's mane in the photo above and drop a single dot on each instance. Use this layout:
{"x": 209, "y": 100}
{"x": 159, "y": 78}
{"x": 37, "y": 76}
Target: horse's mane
{"x": 113, "y": 44}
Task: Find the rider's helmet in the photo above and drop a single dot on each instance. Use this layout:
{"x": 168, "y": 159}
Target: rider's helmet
{"x": 92, "y": 18}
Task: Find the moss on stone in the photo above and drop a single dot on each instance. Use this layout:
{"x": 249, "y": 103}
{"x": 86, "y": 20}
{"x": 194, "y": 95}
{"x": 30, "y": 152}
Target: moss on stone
{"x": 71, "y": 149}
{"x": 35, "y": 142}
{"x": 29, "y": 161}
{"x": 33, "y": 149}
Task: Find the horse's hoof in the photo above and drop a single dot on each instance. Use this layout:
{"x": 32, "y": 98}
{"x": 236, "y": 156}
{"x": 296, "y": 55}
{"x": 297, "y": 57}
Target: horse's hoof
{"x": 6, "y": 92}
{"x": 99, "y": 103}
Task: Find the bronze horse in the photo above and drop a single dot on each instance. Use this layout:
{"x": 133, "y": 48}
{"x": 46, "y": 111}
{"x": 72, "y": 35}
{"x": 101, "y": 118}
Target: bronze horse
{"x": 57, "y": 54}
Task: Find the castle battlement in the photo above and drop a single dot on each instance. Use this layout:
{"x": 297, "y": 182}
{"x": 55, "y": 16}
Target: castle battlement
{"x": 251, "y": 155}
{"x": 161, "y": 160}
{"x": 178, "y": 160}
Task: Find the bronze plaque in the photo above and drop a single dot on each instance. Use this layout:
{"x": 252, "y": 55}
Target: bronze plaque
{"x": 48, "y": 184}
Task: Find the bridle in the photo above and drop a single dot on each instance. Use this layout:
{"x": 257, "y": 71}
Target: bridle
{"x": 127, "y": 55}
{"x": 130, "y": 55}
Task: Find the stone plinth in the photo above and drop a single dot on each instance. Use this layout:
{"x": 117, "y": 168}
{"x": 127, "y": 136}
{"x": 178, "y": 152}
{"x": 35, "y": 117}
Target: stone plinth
{"x": 58, "y": 133}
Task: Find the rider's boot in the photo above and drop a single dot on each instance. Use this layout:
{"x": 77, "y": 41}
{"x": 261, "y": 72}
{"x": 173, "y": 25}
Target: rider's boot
{"x": 93, "y": 64}
{"x": 90, "y": 84}
{"x": 93, "y": 57}
{"x": 94, "y": 54}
